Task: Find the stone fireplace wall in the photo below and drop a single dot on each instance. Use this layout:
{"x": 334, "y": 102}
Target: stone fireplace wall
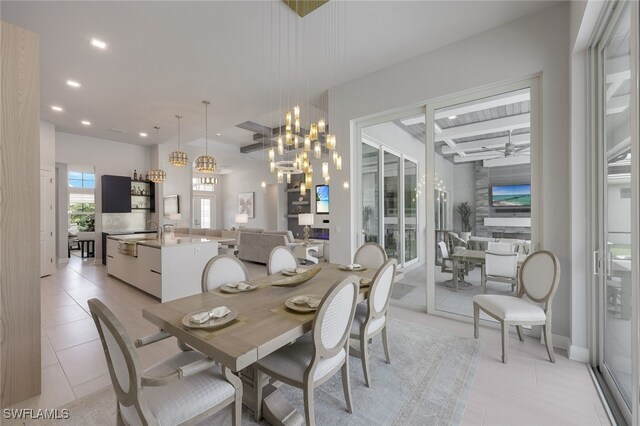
{"x": 485, "y": 178}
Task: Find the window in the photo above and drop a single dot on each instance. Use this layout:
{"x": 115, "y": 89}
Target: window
{"x": 82, "y": 180}
{"x": 199, "y": 186}
{"x": 82, "y": 205}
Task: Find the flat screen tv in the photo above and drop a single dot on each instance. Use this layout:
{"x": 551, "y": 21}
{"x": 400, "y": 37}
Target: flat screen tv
{"x": 322, "y": 199}
{"x": 511, "y": 196}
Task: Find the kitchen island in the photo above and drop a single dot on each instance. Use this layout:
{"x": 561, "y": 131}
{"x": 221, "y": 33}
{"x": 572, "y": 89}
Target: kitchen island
{"x": 167, "y": 268}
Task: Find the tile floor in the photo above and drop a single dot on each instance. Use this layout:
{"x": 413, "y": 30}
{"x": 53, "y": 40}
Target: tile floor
{"x": 529, "y": 390}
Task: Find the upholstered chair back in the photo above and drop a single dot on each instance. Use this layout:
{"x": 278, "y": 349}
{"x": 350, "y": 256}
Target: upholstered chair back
{"x": 221, "y": 270}
{"x": 380, "y": 293}
{"x": 501, "y": 264}
{"x": 540, "y": 276}
{"x": 370, "y": 255}
{"x": 443, "y": 250}
{"x": 122, "y": 361}
{"x": 504, "y": 247}
{"x": 334, "y": 317}
{"x": 281, "y": 258}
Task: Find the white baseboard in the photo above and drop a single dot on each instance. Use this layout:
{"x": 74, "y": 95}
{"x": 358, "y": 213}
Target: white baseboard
{"x": 97, "y": 262}
{"x": 62, "y": 260}
{"x": 578, "y": 353}
{"x": 560, "y": 342}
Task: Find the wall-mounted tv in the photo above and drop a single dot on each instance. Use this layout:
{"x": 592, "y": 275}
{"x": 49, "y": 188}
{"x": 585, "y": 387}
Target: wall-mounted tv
{"x": 322, "y": 199}
{"x": 511, "y": 196}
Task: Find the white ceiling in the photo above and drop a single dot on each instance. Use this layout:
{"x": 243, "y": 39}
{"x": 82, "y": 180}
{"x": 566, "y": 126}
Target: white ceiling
{"x": 163, "y": 58}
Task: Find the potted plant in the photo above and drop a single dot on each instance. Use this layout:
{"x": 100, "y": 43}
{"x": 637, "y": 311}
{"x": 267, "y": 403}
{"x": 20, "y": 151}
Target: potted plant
{"x": 465, "y": 219}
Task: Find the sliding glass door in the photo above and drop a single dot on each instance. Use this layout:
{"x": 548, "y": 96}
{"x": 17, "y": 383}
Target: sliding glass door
{"x": 410, "y": 211}
{"x": 391, "y": 159}
{"x": 617, "y": 292}
{"x": 391, "y": 207}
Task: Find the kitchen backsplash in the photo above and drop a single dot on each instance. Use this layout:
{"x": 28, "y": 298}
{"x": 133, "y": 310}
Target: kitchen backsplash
{"x": 124, "y": 221}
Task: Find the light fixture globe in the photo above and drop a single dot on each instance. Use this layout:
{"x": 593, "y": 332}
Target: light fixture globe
{"x": 157, "y": 175}
{"x": 206, "y": 164}
{"x": 178, "y": 158}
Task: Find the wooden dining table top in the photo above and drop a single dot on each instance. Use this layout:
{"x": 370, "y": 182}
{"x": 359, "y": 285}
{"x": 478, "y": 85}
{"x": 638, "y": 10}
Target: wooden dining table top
{"x": 263, "y": 324}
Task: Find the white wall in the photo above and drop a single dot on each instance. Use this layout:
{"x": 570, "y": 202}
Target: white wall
{"x": 47, "y": 145}
{"x": 247, "y": 180}
{"x": 535, "y": 44}
{"x": 464, "y": 189}
{"x": 107, "y": 157}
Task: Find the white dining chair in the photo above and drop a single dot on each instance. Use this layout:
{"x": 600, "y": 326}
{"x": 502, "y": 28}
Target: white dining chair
{"x": 186, "y": 388}
{"x": 499, "y": 246}
{"x": 371, "y": 315}
{"x": 447, "y": 262}
{"x": 370, "y": 255}
{"x": 281, "y": 257}
{"x": 315, "y": 357}
{"x": 501, "y": 267}
{"x": 222, "y": 269}
{"x": 539, "y": 278}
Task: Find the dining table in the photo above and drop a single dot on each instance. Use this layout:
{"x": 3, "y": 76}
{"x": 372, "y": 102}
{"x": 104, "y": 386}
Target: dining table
{"x": 476, "y": 257}
{"x": 262, "y": 326}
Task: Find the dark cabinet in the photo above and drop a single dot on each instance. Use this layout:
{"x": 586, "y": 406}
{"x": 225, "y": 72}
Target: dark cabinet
{"x": 116, "y": 194}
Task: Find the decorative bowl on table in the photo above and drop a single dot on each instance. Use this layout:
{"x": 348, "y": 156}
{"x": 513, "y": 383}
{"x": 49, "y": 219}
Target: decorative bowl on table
{"x": 297, "y": 279}
{"x": 289, "y": 272}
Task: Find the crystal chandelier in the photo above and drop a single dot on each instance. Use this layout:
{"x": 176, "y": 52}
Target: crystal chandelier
{"x": 206, "y": 163}
{"x": 157, "y": 175}
{"x": 314, "y": 143}
{"x": 178, "y": 158}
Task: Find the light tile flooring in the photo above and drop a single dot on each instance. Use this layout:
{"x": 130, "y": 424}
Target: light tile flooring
{"x": 447, "y": 300}
{"x": 529, "y": 390}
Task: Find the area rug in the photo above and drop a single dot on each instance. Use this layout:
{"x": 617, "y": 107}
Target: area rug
{"x": 400, "y": 290}
{"x": 427, "y": 383}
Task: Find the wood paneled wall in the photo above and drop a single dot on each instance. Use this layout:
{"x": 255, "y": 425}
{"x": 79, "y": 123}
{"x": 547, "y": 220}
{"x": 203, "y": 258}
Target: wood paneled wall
{"x": 19, "y": 216}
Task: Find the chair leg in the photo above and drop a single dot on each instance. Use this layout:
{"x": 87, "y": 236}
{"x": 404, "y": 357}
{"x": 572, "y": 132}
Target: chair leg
{"x": 236, "y": 412}
{"x": 483, "y": 282}
{"x": 364, "y": 358}
{"x": 548, "y": 341}
{"x": 385, "y": 344}
{"x": 257, "y": 381}
{"x": 519, "y": 329}
{"x": 476, "y": 319}
{"x": 308, "y": 403}
{"x": 346, "y": 385}
{"x": 505, "y": 336}
{"x": 119, "y": 420}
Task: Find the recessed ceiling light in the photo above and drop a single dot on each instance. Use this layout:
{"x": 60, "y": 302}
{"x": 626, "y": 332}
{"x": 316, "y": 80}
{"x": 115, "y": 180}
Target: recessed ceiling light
{"x": 452, "y": 117}
{"x": 98, "y": 43}
{"x": 73, "y": 83}
{"x": 56, "y": 108}
{"x": 143, "y": 134}
{"x": 86, "y": 123}
{"x": 218, "y": 134}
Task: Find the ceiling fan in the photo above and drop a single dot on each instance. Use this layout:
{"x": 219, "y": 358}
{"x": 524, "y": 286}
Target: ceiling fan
{"x": 510, "y": 150}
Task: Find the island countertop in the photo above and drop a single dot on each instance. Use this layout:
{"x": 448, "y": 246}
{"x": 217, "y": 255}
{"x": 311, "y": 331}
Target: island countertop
{"x": 150, "y": 240}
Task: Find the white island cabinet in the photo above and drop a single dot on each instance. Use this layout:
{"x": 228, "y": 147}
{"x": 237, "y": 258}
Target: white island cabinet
{"x": 168, "y": 269}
